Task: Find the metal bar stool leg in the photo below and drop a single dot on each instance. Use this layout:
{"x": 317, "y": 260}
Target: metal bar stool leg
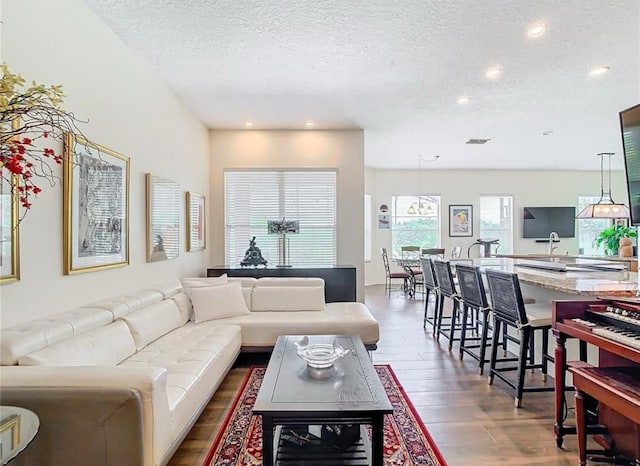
{"x": 454, "y": 318}
{"x": 494, "y": 347}
{"x": 525, "y": 339}
{"x": 463, "y": 330}
{"x": 483, "y": 339}
{"x": 440, "y": 313}
{"x": 426, "y": 308}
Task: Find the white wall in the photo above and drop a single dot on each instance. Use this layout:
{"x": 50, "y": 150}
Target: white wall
{"x": 343, "y": 150}
{"x": 130, "y": 111}
{"x": 528, "y": 188}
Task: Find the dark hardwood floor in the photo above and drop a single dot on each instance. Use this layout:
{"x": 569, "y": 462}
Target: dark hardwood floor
{"x": 471, "y": 422}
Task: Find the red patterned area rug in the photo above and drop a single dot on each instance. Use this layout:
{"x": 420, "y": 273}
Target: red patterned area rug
{"x": 406, "y": 440}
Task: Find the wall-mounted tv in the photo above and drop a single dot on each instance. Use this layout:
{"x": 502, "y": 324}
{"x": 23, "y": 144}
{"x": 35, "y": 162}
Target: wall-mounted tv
{"x": 630, "y": 129}
{"x": 539, "y": 222}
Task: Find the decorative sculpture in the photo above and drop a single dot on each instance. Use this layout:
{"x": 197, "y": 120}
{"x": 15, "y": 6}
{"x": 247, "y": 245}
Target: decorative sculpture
{"x": 253, "y": 256}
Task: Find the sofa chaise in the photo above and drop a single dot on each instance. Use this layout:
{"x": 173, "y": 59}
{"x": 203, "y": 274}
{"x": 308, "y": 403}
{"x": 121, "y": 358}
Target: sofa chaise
{"x": 121, "y": 381}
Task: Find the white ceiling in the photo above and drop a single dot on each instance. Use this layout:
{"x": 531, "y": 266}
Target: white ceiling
{"x": 396, "y": 68}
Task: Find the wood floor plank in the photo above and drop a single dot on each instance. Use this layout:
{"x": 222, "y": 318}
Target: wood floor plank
{"x": 472, "y": 423}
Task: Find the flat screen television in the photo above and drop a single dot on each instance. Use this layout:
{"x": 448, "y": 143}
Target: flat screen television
{"x": 539, "y": 222}
{"x": 630, "y": 129}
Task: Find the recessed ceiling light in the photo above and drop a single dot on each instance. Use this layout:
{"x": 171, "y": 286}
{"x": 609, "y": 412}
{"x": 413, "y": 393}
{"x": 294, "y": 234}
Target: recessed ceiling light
{"x": 599, "y": 70}
{"x": 309, "y": 124}
{"x": 464, "y": 100}
{"x": 547, "y": 133}
{"x": 248, "y": 124}
{"x": 537, "y": 30}
{"x": 494, "y": 72}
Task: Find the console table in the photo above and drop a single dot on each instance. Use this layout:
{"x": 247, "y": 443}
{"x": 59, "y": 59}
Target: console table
{"x": 339, "y": 280}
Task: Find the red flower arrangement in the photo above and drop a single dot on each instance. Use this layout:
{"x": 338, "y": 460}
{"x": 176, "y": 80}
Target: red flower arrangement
{"x": 31, "y": 123}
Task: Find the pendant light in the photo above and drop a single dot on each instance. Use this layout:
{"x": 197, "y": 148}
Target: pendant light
{"x": 605, "y": 207}
{"x": 421, "y": 208}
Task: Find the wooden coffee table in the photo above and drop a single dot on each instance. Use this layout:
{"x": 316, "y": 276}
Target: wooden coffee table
{"x": 350, "y": 393}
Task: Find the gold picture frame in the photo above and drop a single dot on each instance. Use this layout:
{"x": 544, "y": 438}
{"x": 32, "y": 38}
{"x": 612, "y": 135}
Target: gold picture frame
{"x": 163, "y": 218}
{"x": 11, "y": 423}
{"x": 96, "y": 206}
{"x": 196, "y": 222}
{"x": 9, "y": 226}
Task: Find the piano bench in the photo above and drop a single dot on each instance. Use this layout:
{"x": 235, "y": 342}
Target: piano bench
{"x": 616, "y": 387}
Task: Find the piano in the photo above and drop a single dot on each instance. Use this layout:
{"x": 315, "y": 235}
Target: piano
{"x": 613, "y": 326}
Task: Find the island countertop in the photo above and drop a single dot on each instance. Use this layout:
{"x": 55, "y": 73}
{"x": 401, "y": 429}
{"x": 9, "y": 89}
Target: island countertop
{"x": 632, "y": 261}
{"x": 586, "y": 283}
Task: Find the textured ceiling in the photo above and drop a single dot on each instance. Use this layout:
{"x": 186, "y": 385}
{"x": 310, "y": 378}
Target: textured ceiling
{"x": 396, "y": 68}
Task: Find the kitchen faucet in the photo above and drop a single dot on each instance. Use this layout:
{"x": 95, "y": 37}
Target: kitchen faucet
{"x": 553, "y": 236}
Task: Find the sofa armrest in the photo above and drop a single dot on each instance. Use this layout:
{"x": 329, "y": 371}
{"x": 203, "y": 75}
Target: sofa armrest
{"x": 141, "y": 389}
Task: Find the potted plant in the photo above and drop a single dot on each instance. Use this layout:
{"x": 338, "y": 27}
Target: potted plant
{"x": 610, "y": 237}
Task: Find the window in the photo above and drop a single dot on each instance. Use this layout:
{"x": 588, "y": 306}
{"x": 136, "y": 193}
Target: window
{"x": 588, "y": 229}
{"x": 496, "y": 220}
{"x": 421, "y": 228}
{"x": 253, "y": 197}
{"x": 367, "y": 228}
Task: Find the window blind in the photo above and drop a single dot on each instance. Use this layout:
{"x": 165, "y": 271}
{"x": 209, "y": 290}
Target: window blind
{"x": 253, "y": 197}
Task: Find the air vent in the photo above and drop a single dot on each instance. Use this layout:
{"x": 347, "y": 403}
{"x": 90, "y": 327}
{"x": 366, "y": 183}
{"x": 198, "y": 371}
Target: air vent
{"x": 478, "y": 141}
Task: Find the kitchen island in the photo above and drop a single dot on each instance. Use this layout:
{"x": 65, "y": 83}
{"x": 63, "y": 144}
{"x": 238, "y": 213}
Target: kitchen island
{"x": 575, "y": 283}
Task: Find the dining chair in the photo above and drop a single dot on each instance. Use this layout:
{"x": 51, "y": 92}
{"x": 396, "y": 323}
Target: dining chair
{"x": 410, "y": 252}
{"x": 436, "y": 253}
{"x": 410, "y": 255}
{"x": 509, "y": 311}
{"x": 390, "y": 276}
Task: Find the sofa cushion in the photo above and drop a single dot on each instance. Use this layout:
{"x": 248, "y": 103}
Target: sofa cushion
{"x": 287, "y": 298}
{"x": 168, "y": 289}
{"x": 189, "y": 283}
{"x": 150, "y": 323}
{"x": 347, "y": 318}
{"x": 197, "y": 358}
{"x": 217, "y": 302}
{"x": 247, "y": 287}
{"x": 105, "y": 346}
{"x": 184, "y": 306}
{"x": 22, "y": 339}
{"x": 122, "y": 305}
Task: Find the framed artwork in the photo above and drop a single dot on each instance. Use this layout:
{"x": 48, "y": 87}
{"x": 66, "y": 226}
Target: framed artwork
{"x": 96, "y": 206}
{"x": 10, "y": 433}
{"x": 196, "y": 222}
{"x": 460, "y": 220}
{"x": 163, "y": 218}
{"x": 9, "y": 229}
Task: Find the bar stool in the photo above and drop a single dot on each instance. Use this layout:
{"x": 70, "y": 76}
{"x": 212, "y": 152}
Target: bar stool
{"x": 447, "y": 287}
{"x": 509, "y": 310}
{"x": 474, "y": 299}
{"x": 430, "y": 286}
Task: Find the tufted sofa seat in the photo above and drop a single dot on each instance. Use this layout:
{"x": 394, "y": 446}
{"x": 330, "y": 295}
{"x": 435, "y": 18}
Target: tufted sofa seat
{"x": 121, "y": 381}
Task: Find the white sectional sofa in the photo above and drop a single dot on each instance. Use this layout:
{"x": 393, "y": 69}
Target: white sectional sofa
{"x": 121, "y": 381}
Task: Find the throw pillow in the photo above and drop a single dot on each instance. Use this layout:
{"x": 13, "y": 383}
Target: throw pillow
{"x": 217, "y": 302}
{"x": 198, "y": 282}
